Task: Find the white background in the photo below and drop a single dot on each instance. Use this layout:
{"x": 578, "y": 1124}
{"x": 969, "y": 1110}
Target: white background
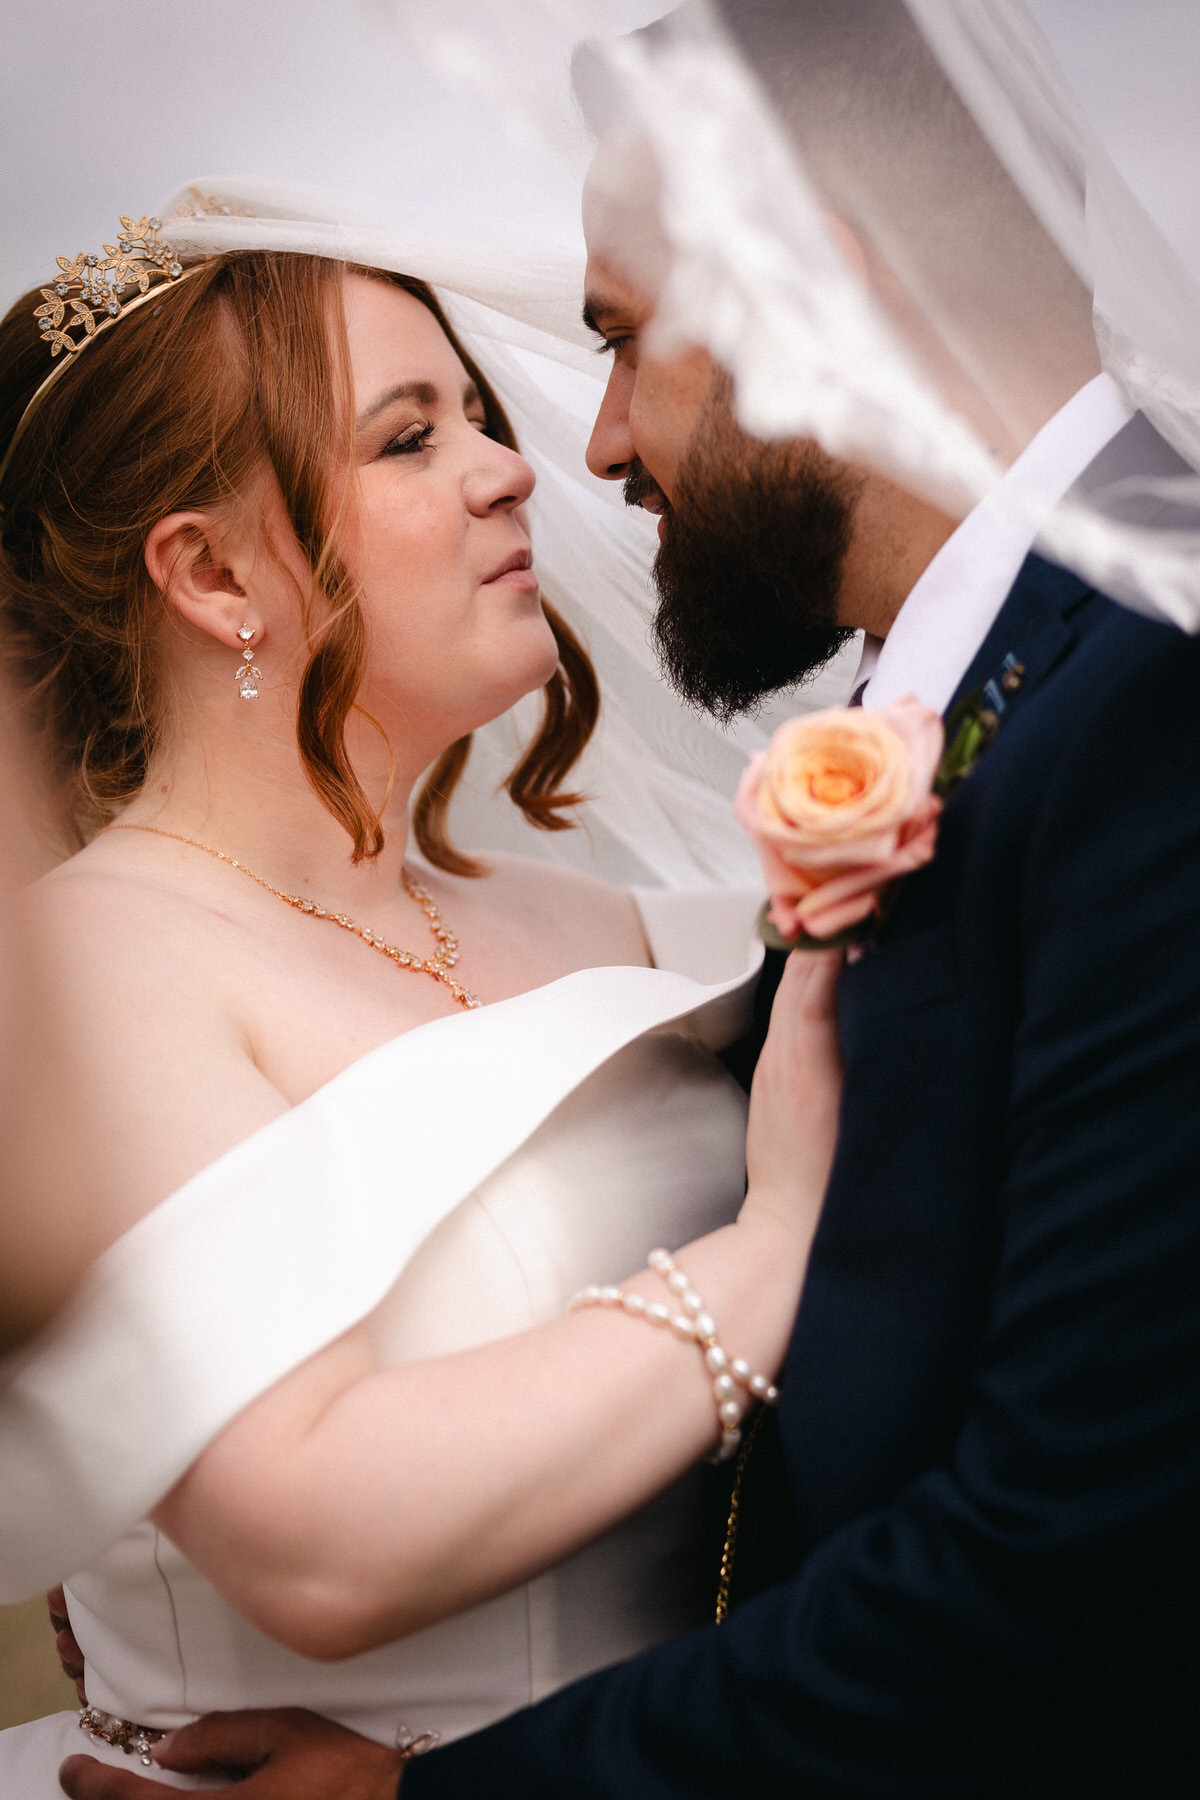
{"x": 107, "y": 106}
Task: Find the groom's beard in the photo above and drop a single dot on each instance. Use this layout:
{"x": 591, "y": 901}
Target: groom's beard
{"x": 750, "y": 564}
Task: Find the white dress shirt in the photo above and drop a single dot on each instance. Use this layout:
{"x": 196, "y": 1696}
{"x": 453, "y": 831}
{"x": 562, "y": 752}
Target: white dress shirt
{"x": 955, "y": 603}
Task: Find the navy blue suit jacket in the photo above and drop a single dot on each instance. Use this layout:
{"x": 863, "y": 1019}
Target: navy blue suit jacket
{"x": 991, "y": 1415}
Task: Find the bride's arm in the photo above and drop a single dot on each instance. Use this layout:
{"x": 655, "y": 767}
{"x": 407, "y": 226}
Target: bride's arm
{"x": 49, "y": 1188}
{"x": 351, "y": 1505}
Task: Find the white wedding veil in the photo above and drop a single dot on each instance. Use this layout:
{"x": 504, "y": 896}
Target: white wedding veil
{"x": 661, "y": 778}
{"x": 751, "y": 128}
{"x": 994, "y": 246}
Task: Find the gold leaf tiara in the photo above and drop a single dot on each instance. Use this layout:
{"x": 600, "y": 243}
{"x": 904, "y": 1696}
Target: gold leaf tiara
{"x": 92, "y": 286}
{"x": 87, "y": 297}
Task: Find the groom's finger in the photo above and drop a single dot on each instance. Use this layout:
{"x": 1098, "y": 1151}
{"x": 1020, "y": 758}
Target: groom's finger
{"x": 285, "y": 1754}
{"x": 237, "y": 1743}
{"x": 231, "y": 1743}
{"x": 83, "y": 1778}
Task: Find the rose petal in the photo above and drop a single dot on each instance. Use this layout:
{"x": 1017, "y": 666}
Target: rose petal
{"x": 857, "y": 886}
{"x": 826, "y": 866}
{"x": 818, "y": 748}
{"x": 745, "y": 807}
{"x": 781, "y": 877}
{"x": 923, "y": 733}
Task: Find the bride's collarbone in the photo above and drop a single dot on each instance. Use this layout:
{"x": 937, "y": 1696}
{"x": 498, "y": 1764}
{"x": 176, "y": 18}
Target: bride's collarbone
{"x": 527, "y": 922}
{"x": 517, "y": 929}
{"x": 206, "y": 967}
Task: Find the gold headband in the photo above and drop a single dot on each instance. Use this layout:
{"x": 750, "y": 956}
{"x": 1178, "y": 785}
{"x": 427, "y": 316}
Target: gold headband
{"x": 91, "y": 288}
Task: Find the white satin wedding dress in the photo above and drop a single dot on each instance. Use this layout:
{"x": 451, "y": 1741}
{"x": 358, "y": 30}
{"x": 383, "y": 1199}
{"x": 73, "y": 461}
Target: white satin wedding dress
{"x": 455, "y": 1185}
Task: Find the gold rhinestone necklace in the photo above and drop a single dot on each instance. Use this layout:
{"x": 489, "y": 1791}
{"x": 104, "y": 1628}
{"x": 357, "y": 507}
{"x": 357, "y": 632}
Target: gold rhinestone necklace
{"x": 438, "y": 965}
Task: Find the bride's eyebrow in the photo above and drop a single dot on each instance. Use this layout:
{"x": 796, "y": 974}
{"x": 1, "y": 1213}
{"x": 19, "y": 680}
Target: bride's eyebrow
{"x": 423, "y": 392}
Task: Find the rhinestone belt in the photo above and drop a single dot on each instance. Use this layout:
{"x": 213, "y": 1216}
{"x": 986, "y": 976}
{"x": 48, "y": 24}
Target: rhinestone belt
{"x": 121, "y": 1734}
{"x": 137, "y": 1740}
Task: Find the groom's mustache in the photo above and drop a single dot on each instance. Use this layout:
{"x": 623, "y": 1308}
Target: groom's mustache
{"x": 639, "y": 488}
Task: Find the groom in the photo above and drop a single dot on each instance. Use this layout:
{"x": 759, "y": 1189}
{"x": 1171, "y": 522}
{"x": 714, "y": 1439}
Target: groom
{"x": 990, "y": 1421}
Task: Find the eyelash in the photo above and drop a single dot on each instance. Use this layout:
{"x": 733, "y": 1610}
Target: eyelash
{"x": 409, "y": 442}
{"x": 616, "y": 347}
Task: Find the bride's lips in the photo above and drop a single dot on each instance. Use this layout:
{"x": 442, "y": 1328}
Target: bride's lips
{"x": 515, "y": 571}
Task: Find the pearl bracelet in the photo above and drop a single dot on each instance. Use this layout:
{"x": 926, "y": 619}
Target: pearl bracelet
{"x": 696, "y": 1324}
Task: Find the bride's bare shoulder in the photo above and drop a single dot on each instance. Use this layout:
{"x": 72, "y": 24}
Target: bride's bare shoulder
{"x": 144, "y": 953}
{"x": 105, "y": 908}
{"x": 170, "y": 1079}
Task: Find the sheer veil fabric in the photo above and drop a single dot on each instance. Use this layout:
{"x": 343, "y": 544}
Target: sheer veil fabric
{"x": 322, "y": 1198}
{"x": 738, "y": 171}
{"x": 739, "y": 181}
{"x": 731, "y": 131}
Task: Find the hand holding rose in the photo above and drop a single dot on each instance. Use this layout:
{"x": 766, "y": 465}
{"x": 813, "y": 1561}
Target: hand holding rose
{"x": 840, "y": 804}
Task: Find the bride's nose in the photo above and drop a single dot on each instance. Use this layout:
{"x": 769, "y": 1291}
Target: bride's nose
{"x": 500, "y": 480}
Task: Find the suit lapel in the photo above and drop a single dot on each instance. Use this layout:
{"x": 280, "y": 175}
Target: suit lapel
{"x": 1035, "y": 628}
{"x": 1033, "y": 631}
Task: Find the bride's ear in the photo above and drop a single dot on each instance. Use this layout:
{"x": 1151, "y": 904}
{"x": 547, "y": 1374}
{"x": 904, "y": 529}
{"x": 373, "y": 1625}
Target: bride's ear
{"x": 200, "y": 570}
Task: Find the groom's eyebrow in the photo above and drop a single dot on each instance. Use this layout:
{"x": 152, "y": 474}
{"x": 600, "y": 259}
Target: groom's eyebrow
{"x": 596, "y": 312}
{"x": 423, "y": 392}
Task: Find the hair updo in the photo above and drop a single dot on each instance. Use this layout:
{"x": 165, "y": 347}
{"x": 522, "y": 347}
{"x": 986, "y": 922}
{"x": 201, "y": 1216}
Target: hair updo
{"x": 179, "y": 408}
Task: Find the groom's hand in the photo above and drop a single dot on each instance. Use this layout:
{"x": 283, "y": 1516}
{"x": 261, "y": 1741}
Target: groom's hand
{"x": 284, "y": 1755}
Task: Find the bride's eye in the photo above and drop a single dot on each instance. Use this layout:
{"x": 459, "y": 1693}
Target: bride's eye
{"x": 412, "y": 439}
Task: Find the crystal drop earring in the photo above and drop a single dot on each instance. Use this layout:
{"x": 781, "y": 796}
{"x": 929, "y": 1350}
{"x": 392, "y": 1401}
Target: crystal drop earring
{"x": 247, "y": 674}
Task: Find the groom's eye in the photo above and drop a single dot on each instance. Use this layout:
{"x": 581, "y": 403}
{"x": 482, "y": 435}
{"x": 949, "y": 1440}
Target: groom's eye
{"x": 621, "y": 346}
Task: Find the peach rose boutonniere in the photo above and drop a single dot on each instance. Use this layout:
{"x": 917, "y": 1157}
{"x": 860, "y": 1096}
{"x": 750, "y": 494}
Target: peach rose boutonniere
{"x": 840, "y": 805}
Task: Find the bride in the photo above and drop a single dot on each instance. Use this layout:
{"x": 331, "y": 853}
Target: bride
{"x": 372, "y": 1111}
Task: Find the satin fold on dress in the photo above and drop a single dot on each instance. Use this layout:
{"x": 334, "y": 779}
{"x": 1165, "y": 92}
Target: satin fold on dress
{"x": 297, "y": 1234}
{"x": 451, "y": 1187}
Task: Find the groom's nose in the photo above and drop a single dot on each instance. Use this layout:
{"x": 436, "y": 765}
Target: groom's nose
{"x": 610, "y": 452}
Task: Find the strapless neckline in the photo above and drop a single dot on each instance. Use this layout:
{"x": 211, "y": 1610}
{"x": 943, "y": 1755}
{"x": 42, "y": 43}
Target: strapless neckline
{"x": 452, "y": 1186}
{"x": 182, "y": 1291}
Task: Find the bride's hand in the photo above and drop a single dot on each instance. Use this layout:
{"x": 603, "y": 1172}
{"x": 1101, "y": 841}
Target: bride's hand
{"x": 796, "y": 1095}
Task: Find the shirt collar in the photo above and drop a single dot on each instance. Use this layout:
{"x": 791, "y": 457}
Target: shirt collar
{"x": 953, "y": 606}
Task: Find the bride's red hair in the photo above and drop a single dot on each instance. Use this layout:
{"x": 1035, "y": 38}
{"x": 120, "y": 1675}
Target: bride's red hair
{"x": 180, "y": 408}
